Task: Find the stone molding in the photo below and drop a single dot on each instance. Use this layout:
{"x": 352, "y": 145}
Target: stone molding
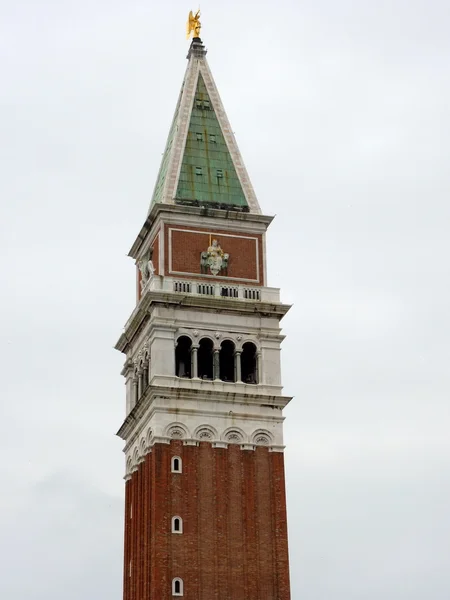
{"x": 182, "y": 126}
{"x": 203, "y": 433}
{"x": 153, "y": 298}
{"x": 238, "y": 338}
{"x": 141, "y": 357}
{"x": 198, "y": 406}
{"x": 178, "y": 214}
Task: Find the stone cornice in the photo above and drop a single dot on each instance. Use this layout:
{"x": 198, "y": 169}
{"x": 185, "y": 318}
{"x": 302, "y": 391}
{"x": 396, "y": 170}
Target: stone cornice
{"x": 206, "y": 415}
{"x": 136, "y": 455}
{"x": 169, "y": 211}
{"x": 134, "y": 324}
{"x": 134, "y": 419}
{"x": 206, "y": 303}
{"x": 249, "y": 439}
{"x": 127, "y": 368}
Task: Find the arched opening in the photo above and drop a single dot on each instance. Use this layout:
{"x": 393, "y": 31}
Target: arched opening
{"x": 176, "y": 464}
{"x": 177, "y": 587}
{"x": 226, "y": 361}
{"x": 177, "y": 525}
{"x": 183, "y": 357}
{"x": 249, "y": 363}
{"x": 205, "y": 359}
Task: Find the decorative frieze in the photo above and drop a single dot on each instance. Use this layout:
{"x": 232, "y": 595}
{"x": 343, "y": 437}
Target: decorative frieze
{"x": 202, "y": 433}
{"x": 237, "y": 338}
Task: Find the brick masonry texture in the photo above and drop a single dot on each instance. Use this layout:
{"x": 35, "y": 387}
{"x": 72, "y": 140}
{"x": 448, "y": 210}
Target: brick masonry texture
{"x": 188, "y": 244}
{"x": 234, "y": 541}
{"x": 155, "y": 256}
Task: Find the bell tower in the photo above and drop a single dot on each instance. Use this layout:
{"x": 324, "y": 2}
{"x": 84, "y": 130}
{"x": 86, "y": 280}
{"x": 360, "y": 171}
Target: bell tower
{"x": 205, "y": 509}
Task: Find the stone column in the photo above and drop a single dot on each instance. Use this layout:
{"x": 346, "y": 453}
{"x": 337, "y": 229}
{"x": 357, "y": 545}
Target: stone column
{"x": 146, "y": 365}
{"x": 135, "y": 392}
{"x": 127, "y": 372}
{"x": 216, "y": 364}
{"x": 258, "y": 367}
{"x": 237, "y": 366}
{"x": 140, "y": 382}
{"x": 175, "y": 358}
{"x": 194, "y": 362}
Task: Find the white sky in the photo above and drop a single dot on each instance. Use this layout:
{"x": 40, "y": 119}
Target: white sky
{"x": 341, "y": 111}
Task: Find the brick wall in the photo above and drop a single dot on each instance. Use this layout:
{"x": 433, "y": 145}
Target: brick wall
{"x": 155, "y": 257}
{"x": 234, "y": 541}
{"x": 245, "y": 250}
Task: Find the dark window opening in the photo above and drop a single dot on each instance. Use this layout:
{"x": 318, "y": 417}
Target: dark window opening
{"x": 226, "y": 361}
{"x": 250, "y": 294}
{"x": 182, "y": 286}
{"x": 205, "y": 359}
{"x": 249, "y": 363}
{"x": 212, "y": 138}
{"x": 203, "y": 288}
{"x": 183, "y": 357}
{"x": 199, "y": 137}
{"x": 176, "y": 525}
{"x": 202, "y": 104}
{"x": 229, "y": 292}
{"x": 176, "y": 465}
{"x": 177, "y": 587}
{"x": 198, "y": 171}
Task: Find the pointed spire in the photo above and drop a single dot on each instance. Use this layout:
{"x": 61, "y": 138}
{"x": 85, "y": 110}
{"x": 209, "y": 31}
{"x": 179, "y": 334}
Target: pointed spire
{"x": 201, "y": 164}
{"x": 196, "y": 49}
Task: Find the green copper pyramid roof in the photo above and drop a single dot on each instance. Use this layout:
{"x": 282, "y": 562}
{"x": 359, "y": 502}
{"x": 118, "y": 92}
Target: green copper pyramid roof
{"x": 201, "y": 164}
{"x": 159, "y": 187}
{"x": 207, "y": 172}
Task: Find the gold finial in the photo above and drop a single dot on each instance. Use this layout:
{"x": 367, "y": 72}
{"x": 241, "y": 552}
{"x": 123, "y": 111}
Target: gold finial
{"x": 193, "y": 24}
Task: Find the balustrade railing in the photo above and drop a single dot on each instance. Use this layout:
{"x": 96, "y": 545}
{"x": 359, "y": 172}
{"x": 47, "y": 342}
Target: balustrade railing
{"x": 202, "y": 288}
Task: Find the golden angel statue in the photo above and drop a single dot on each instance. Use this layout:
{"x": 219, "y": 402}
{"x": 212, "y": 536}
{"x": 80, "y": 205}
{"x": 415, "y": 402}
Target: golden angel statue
{"x": 193, "y": 24}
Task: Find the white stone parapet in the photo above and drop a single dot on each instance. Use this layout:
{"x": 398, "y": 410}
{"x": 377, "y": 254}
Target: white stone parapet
{"x": 202, "y": 287}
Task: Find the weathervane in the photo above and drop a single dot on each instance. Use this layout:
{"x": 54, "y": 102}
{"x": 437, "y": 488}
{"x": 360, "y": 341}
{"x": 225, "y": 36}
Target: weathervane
{"x": 193, "y": 24}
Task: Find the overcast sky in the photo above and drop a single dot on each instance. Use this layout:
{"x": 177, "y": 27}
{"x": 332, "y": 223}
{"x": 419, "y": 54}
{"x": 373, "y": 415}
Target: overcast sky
{"x": 341, "y": 112}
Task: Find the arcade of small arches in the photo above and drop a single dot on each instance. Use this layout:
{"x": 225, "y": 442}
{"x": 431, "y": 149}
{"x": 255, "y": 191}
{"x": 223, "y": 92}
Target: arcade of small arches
{"x": 227, "y": 361}
{"x": 203, "y": 433}
{"x": 141, "y": 370}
